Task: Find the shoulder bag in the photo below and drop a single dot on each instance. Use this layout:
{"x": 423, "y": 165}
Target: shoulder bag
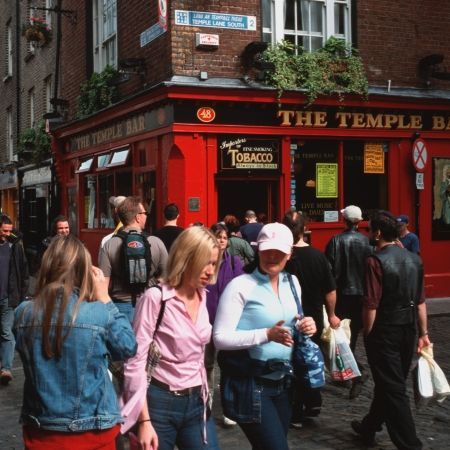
{"x": 307, "y": 358}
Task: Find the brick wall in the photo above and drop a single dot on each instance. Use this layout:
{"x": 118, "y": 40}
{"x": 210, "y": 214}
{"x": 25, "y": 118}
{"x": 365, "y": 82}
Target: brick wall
{"x": 392, "y": 38}
{"x": 394, "y": 35}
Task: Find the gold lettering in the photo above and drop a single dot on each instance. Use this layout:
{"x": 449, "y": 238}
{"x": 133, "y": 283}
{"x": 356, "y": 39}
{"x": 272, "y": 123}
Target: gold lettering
{"x": 286, "y": 117}
{"x": 303, "y": 118}
{"x": 389, "y": 120}
{"x": 342, "y": 119}
{"x": 401, "y": 123}
{"x": 374, "y": 122}
{"x": 320, "y": 119}
{"x": 358, "y": 120}
{"x": 416, "y": 121}
{"x": 441, "y": 123}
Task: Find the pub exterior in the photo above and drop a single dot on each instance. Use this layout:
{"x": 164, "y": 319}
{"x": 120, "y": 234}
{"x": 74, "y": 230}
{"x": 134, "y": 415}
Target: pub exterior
{"x": 224, "y": 148}
{"x": 193, "y": 123}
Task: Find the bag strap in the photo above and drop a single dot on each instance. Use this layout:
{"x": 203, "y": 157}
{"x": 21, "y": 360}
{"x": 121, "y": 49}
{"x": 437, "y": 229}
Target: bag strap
{"x": 294, "y": 292}
{"x": 161, "y": 311}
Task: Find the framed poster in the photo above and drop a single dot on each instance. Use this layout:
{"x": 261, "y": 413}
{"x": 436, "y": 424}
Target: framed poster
{"x": 326, "y": 180}
{"x": 441, "y": 199}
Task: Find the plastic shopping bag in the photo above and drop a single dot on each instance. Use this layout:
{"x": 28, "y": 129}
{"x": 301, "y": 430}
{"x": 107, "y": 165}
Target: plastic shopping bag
{"x": 340, "y": 360}
{"x": 430, "y": 380}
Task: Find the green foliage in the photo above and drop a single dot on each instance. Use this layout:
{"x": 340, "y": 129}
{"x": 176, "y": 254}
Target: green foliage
{"x": 34, "y": 144}
{"x": 97, "y": 93}
{"x": 334, "y": 69}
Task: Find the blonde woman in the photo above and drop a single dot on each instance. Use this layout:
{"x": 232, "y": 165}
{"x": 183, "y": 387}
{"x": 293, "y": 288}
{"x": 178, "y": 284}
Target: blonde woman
{"x": 172, "y": 409}
{"x": 65, "y": 338}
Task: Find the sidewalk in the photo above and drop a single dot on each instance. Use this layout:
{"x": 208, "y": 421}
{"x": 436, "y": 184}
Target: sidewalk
{"x": 438, "y": 306}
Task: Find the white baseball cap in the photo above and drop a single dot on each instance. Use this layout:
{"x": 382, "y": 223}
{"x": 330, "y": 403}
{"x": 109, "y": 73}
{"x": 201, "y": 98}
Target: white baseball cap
{"x": 275, "y": 236}
{"x": 352, "y": 213}
{"x": 116, "y": 201}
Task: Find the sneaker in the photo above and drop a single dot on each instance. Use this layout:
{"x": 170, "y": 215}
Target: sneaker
{"x": 228, "y": 422}
{"x": 367, "y": 438}
{"x": 357, "y": 384}
{"x": 296, "y": 424}
{"x": 5, "y": 376}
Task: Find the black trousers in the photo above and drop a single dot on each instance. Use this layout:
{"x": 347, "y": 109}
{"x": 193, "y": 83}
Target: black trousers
{"x": 390, "y": 350}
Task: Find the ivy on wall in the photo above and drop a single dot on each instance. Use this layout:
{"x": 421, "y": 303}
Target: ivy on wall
{"x": 335, "y": 69}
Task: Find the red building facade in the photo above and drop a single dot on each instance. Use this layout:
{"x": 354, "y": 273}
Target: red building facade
{"x": 192, "y": 129}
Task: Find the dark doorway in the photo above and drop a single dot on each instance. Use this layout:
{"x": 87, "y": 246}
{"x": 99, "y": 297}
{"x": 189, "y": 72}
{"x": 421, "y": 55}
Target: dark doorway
{"x": 237, "y": 196}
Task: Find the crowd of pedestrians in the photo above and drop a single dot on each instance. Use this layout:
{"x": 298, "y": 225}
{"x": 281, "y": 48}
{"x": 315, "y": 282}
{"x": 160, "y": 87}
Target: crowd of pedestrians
{"x": 162, "y": 309}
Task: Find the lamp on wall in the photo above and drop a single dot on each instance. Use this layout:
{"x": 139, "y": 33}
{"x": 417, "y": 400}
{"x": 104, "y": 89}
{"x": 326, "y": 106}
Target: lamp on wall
{"x": 430, "y": 67}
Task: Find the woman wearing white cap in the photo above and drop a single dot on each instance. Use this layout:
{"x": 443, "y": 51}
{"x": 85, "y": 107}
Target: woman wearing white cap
{"x": 253, "y": 328}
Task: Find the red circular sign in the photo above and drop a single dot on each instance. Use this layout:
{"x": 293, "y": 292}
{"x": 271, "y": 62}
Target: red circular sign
{"x": 420, "y": 155}
{"x": 206, "y": 114}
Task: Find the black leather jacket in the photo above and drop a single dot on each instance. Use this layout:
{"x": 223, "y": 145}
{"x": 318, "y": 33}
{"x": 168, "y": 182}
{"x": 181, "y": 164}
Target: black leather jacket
{"x": 18, "y": 272}
{"x": 402, "y": 286}
{"x": 347, "y": 253}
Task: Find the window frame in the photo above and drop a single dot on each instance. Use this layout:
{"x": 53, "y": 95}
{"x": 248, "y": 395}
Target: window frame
{"x": 102, "y": 43}
{"x": 278, "y": 31}
{"x": 9, "y": 134}
{"x": 9, "y": 50}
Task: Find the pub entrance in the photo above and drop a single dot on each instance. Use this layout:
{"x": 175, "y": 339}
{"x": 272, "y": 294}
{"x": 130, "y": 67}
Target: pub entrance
{"x": 235, "y": 196}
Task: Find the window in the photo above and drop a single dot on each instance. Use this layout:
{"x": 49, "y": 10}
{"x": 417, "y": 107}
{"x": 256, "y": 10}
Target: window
{"x": 119, "y": 157}
{"x": 307, "y": 23}
{"x": 327, "y": 175}
{"x": 97, "y": 191}
{"x": 31, "y": 109}
{"x": 48, "y": 88}
{"x": 9, "y": 134}
{"x": 104, "y": 18}
{"x": 9, "y": 51}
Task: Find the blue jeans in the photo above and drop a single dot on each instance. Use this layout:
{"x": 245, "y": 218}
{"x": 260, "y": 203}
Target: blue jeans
{"x": 7, "y": 342}
{"x": 127, "y": 309}
{"x": 178, "y": 420}
{"x": 271, "y": 432}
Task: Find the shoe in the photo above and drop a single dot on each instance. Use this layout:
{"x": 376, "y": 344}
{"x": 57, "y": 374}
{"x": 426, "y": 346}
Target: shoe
{"x": 367, "y": 438}
{"x": 296, "y": 424}
{"x": 5, "y": 377}
{"x": 228, "y": 422}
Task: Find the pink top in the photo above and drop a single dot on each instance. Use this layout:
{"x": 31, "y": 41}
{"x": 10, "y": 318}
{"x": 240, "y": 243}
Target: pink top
{"x": 181, "y": 341}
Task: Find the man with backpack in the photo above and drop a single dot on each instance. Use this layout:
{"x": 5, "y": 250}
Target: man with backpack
{"x": 131, "y": 260}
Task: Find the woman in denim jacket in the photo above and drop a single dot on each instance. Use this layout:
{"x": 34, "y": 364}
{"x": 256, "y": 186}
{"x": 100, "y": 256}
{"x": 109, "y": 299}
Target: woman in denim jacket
{"x": 65, "y": 338}
{"x": 256, "y": 314}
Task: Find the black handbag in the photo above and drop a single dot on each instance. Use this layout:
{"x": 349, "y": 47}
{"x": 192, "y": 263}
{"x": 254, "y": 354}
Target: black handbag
{"x": 307, "y": 358}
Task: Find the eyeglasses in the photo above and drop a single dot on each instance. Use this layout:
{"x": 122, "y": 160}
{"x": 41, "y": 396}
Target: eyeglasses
{"x": 144, "y": 212}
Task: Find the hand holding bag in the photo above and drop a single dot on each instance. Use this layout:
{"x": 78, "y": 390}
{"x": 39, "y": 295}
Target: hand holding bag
{"x": 431, "y": 380}
{"x": 307, "y": 358}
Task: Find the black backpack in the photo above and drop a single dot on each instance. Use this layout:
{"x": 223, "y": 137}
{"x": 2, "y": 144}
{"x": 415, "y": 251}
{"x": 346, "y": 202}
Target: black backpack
{"x": 136, "y": 261}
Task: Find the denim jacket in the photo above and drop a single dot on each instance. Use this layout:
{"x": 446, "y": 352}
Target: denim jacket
{"x": 74, "y": 392}
{"x": 239, "y": 389}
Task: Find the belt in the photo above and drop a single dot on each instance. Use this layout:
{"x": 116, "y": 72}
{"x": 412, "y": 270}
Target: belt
{"x": 181, "y": 392}
{"x": 283, "y": 383}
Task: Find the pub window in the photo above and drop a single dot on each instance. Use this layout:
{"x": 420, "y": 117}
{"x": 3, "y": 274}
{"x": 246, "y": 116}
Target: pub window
{"x": 102, "y": 161}
{"x": 85, "y": 166}
{"x": 315, "y": 191}
{"x": 328, "y": 175}
{"x": 98, "y": 189}
{"x": 119, "y": 157}
{"x": 365, "y": 175}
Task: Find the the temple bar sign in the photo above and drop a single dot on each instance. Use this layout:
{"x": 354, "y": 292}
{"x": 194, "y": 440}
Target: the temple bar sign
{"x": 243, "y": 153}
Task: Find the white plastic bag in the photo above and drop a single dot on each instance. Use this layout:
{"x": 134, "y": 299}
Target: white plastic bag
{"x": 339, "y": 358}
{"x": 431, "y": 380}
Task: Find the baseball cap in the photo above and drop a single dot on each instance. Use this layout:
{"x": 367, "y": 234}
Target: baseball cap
{"x": 352, "y": 213}
{"x": 116, "y": 201}
{"x": 403, "y": 218}
{"x": 275, "y": 236}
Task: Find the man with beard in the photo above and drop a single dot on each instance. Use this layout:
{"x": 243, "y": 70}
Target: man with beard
{"x": 393, "y": 308}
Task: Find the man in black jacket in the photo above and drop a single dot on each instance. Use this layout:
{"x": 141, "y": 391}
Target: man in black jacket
{"x": 13, "y": 289}
{"x": 347, "y": 253}
{"x": 393, "y": 308}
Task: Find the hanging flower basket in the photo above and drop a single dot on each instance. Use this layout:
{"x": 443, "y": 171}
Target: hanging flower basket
{"x": 37, "y": 31}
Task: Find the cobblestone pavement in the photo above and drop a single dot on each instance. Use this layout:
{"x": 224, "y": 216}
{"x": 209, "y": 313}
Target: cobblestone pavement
{"x": 331, "y": 430}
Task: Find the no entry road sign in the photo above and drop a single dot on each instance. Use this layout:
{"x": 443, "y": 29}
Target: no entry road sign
{"x": 420, "y": 155}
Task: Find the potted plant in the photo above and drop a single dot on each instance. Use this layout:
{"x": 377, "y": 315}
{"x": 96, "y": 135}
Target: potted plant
{"x": 37, "y": 31}
{"x": 27, "y": 140}
{"x": 98, "y": 92}
{"x": 334, "y": 69}
{"x": 35, "y": 144}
